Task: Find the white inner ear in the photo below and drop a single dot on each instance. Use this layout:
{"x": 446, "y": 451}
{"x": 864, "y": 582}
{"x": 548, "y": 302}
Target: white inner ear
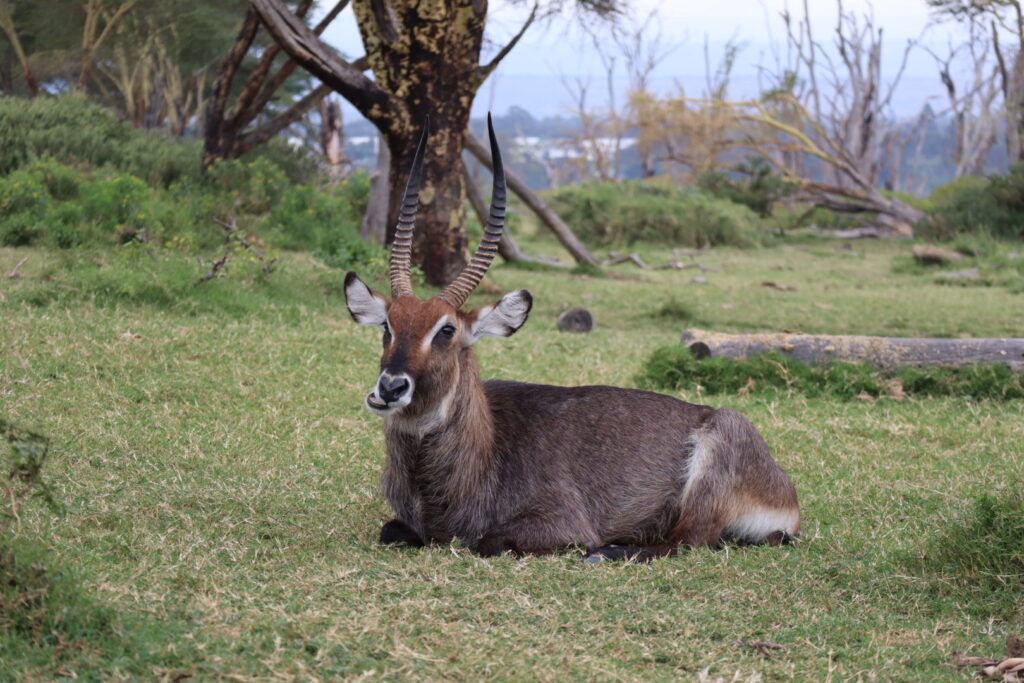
{"x": 366, "y": 307}
{"x": 503, "y": 318}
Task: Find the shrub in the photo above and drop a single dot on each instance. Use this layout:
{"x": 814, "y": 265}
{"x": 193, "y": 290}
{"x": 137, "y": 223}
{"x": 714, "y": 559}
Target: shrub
{"x": 752, "y": 183}
{"x": 24, "y": 207}
{"x": 295, "y": 162}
{"x": 72, "y": 130}
{"x": 992, "y": 206}
{"x": 675, "y": 367}
{"x": 325, "y": 222}
{"x": 255, "y": 186}
{"x": 624, "y": 213}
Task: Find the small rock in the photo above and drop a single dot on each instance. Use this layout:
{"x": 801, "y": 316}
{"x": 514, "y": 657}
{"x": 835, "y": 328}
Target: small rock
{"x": 699, "y": 279}
{"x": 576, "y": 320}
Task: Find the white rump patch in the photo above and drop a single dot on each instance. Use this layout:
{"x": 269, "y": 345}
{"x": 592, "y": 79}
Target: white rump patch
{"x": 503, "y": 318}
{"x": 366, "y": 307}
{"x": 755, "y": 525}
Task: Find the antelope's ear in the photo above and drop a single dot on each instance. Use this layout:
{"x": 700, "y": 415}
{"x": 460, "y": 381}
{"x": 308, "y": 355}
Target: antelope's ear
{"x": 501, "y": 319}
{"x": 365, "y": 306}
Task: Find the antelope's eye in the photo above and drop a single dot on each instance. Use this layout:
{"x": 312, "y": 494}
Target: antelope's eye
{"x": 447, "y": 331}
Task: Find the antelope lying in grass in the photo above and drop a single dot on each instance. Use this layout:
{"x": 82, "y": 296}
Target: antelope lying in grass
{"x": 528, "y": 468}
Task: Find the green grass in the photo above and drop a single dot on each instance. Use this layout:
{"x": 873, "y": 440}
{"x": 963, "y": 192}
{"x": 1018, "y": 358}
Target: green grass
{"x": 219, "y": 478}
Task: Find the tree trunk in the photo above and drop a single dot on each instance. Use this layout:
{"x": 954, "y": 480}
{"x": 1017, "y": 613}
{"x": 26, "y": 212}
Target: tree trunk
{"x": 332, "y": 139}
{"x": 439, "y": 242}
{"x": 883, "y": 352}
{"x": 425, "y": 60}
{"x": 374, "y": 227}
{"x": 230, "y": 132}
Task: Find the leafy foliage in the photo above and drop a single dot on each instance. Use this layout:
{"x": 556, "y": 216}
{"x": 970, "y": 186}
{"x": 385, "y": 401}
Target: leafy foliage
{"x": 752, "y": 183}
{"x": 624, "y": 213}
{"x": 74, "y": 131}
{"x": 971, "y": 205}
{"x": 60, "y": 206}
{"x": 675, "y": 367}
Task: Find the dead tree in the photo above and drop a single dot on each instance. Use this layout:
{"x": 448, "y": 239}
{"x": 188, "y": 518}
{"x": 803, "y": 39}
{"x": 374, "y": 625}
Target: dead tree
{"x": 836, "y": 112}
{"x": 375, "y": 222}
{"x": 973, "y": 106}
{"x": 550, "y": 219}
{"x": 332, "y": 139}
{"x": 1006, "y": 17}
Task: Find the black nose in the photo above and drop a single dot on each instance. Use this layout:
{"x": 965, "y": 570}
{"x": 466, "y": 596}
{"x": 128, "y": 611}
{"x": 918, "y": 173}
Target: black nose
{"x": 391, "y": 388}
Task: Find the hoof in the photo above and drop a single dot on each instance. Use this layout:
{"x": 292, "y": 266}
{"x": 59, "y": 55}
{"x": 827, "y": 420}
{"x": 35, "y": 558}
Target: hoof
{"x": 398, "y": 532}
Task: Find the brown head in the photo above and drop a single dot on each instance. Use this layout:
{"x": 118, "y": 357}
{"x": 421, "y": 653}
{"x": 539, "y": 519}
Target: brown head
{"x": 426, "y": 342}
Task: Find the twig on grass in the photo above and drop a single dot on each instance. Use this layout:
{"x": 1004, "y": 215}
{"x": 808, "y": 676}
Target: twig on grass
{"x": 232, "y": 237}
{"x": 14, "y": 271}
{"x": 762, "y": 647}
{"x": 674, "y": 263}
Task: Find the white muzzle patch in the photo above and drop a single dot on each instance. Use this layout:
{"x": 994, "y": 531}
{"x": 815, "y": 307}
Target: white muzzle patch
{"x": 379, "y": 402}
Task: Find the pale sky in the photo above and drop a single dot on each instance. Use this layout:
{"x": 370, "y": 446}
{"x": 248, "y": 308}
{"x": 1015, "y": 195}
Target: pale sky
{"x": 558, "y": 52}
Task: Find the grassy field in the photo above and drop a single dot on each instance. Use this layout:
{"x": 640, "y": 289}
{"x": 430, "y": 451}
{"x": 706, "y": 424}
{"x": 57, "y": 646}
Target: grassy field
{"x": 220, "y": 482}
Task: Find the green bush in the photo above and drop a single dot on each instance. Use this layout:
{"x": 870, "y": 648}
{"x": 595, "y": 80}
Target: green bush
{"x": 309, "y": 218}
{"x": 752, "y": 183}
{"x": 51, "y": 204}
{"x": 675, "y": 367}
{"x": 620, "y": 214}
{"x": 987, "y": 206}
{"x": 254, "y": 186}
{"x": 25, "y": 206}
{"x": 74, "y": 131}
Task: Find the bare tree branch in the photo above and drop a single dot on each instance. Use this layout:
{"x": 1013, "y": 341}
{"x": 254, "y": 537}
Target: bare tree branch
{"x": 306, "y": 48}
{"x": 485, "y": 70}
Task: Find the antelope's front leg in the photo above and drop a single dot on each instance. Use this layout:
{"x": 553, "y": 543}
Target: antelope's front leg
{"x": 527, "y": 535}
{"x": 397, "y": 531}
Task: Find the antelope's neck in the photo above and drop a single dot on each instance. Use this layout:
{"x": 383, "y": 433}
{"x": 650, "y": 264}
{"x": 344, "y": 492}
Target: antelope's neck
{"x": 449, "y": 445}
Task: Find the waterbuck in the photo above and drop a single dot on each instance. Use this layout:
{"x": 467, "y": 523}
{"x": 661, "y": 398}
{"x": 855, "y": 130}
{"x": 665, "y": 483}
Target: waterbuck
{"x": 529, "y": 468}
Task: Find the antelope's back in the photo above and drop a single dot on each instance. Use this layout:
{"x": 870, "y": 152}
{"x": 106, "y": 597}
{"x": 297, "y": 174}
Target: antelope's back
{"x": 622, "y": 452}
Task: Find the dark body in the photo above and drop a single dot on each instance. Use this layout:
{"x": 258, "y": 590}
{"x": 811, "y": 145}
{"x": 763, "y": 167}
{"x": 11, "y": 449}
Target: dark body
{"x": 592, "y": 465}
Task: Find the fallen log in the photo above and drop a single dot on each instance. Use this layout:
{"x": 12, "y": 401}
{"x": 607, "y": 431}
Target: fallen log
{"x": 883, "y": 352}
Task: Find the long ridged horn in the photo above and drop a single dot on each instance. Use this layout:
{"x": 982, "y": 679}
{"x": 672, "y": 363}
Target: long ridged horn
{"x": 401, "y": 248}
{"x": 458, "y": 291}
